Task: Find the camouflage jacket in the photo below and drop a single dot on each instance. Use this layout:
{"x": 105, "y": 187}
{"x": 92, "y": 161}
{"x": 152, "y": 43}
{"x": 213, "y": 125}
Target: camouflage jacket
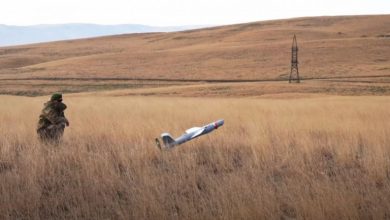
{"x": 52, "y": 113}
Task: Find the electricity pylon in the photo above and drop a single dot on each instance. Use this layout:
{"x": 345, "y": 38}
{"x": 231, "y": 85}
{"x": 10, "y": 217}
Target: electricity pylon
{"x": 294, "y": 74}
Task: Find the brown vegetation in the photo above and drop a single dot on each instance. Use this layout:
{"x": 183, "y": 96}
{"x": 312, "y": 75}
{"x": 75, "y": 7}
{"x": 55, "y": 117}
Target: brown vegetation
{"x": 329, "y": 47}
{"x": 309, "y": 158}
{"x": 352, "y": 52}
{"x": 286, "y": 151}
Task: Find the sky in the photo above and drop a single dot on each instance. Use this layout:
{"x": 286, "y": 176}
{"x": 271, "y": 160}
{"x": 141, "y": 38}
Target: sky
{"x": 177, "y": 12}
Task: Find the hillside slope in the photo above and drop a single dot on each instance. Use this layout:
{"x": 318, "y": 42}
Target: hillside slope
{"x": 328, "y": 47}
{"x": 18, "y": 35}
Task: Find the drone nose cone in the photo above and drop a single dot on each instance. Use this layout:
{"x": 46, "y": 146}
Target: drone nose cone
{"x": 218, "y": 123}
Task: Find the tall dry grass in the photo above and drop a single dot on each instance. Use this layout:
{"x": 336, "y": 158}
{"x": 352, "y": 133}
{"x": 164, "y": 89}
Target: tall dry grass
{"x": 309, "y": 158}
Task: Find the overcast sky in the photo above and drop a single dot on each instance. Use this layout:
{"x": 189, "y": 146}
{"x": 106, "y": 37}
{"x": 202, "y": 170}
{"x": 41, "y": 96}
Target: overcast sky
{"x": 177, "y": 12}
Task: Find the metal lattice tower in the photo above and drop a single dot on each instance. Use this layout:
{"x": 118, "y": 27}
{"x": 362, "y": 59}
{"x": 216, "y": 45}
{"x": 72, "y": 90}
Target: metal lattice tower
{"x": 294, "y": 74}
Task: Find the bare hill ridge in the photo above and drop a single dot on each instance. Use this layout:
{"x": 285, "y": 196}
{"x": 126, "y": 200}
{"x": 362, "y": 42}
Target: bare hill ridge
{"x": 11, "y": 35}
{"x": 341, "y": 46}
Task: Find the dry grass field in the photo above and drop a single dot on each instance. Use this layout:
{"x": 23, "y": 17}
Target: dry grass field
{"x": 312, "y": 157}
{"x": 332, "y": 48}
{"x": 315, "y": 150}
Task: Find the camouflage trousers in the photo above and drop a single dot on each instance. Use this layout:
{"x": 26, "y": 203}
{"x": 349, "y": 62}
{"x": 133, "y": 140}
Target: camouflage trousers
{"x": 52, "y": 133}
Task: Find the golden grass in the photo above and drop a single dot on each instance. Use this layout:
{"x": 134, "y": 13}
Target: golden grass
{"x": 328, "y": 47}
{"x": 355, "y": 86}
{"x": 45, "y": 87}
{"x": 312, "y": 158}
{"x": 261, "y": 89}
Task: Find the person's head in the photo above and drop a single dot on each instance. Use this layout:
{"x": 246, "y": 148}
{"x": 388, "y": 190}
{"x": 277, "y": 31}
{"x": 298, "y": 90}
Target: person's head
{"x": 56, "y": 97}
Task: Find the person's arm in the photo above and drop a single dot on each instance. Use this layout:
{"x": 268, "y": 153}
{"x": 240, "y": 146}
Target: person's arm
{"x": 62, "y": 107}
{"x": 66, "y": 120}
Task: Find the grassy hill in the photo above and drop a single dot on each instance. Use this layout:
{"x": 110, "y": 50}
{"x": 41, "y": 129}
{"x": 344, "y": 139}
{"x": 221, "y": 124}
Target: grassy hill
{"x": 329, "y": 47}
{"x": 346, "y": 49}
{"x": 287, "y": 151}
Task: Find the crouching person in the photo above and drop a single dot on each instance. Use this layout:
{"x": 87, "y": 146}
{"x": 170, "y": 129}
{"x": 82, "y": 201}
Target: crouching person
{"x": 52, "y": 121}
